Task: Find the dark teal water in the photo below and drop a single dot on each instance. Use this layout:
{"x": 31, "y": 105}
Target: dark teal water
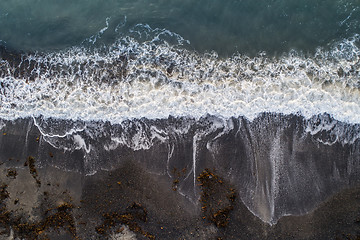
{"x": 244, "y": 26}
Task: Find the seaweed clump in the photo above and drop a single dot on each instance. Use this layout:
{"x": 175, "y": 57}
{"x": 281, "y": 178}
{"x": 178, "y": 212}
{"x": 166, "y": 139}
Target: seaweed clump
{"x": 217, "y": 198}
{"x": 11, "y": 173}
{"x": 55, "y": 218}
{"x": 4, "y": 214}
{"x": 177, "y": 176}
{"x": 134, "y": 214}
{"x": 30, "y": 162}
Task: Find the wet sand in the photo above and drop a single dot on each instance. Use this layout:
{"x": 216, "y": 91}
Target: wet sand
{"x": 45, "y": 192}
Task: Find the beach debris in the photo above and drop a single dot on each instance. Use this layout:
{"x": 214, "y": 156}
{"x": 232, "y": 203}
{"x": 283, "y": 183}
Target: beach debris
{"x": 30, "y": 162}
{"x": 217, "y": 198}
{"x": 11, "y": 173}
{"x": 132, "y": 217}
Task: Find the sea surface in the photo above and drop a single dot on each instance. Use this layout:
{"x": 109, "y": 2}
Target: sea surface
{"x": 149, "y": 70}
{"x": 131, "y": 59}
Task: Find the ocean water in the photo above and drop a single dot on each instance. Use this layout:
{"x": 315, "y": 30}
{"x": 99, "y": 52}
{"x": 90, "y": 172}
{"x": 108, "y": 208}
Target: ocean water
{"x": 238, "y": 25}
{"x": 132, "y": 59}
{"x": 98, "y": 77}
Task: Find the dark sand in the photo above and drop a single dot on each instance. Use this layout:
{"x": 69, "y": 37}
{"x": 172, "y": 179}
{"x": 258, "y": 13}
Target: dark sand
{"x": 129, "y": 202}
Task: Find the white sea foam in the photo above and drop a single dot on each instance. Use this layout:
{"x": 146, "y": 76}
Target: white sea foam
{"x": 2, "y": 124}
{"x": 152, "y": 79}
{"x": 80, "y": 142}
{"x": 124, "y": 234}
{"x": 329, "y": 131}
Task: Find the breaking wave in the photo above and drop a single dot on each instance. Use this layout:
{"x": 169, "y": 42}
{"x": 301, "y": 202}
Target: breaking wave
{"x": 148, "y": 73}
